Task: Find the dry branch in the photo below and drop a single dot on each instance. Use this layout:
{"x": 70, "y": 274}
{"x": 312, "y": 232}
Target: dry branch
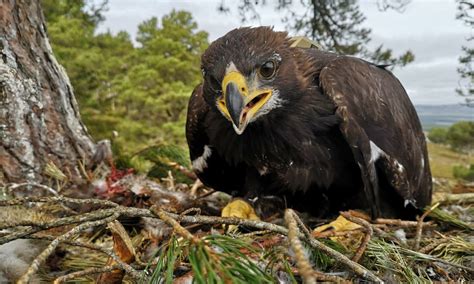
{"x": 295, "y": 223}
{"x": 419, "y": 226}
{"x": 304, "y": 267}
{"x": 167, "y": 217}
{"x": 59, "y": 198}
{"x": 368, "y": 234}
{"x": 401, "y": 223}
{"x": 25, "y": 278}
{"x": 85, "y": 272}
{"x": 42, "y": 225}
{"x": 124, "y": 250}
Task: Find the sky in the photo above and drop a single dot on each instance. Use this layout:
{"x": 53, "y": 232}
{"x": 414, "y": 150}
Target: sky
{"x": 426, "y": 27}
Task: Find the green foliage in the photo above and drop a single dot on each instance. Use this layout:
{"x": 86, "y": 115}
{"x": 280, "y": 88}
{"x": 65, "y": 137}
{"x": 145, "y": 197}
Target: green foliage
{"x": 449, "y": 219}
{"x": 388, "y": 257}
{"x": 465, "y": 14}
{"x": 229, "y": 265}
{"x": 214, "y": 259}
{"x": 161, "y": 156}
{"x": 465, "y": 173}
{"x": 438, "y": 135}
{"x": 138, "y": 90}
{"x": 164, "y": 270}
{"x": 277, "y": 256}
{"x": 321, "y": 259}
{"x": 460, "y": 136}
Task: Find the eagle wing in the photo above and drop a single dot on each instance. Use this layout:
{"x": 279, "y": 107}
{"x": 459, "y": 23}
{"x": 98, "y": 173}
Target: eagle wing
{"x": 209, "y": 166}
{"x": 383, "y": 130}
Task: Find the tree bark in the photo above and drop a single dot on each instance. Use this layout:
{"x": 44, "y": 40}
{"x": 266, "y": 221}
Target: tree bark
{"x": 39, "y": 116}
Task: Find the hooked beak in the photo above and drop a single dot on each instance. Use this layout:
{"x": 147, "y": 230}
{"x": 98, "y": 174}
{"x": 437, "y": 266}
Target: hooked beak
{"x": 239, "y": 103}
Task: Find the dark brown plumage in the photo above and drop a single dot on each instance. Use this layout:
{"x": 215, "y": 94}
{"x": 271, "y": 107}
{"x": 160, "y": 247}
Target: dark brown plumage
{"x": 326, "y": 132}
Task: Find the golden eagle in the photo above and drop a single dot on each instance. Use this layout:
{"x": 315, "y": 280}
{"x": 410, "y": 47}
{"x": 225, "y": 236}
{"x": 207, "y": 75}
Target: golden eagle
{"x": 326, "y": 132}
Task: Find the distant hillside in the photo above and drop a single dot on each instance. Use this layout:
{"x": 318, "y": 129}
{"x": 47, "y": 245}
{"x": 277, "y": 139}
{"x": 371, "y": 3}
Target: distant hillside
{"x": 443, "y": 115}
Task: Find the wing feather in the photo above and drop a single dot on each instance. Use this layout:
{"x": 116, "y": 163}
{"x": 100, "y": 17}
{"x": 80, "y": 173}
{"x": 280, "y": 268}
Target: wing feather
{"x": 382, "y": 128}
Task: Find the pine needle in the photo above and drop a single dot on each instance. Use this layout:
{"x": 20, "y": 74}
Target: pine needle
{"x": 387, "y": 257}
{"x": 167, "y": 258}
{"x": 215, "y": 259}
{"x": 447, "y": 218}
{"x": 162, "y": 156}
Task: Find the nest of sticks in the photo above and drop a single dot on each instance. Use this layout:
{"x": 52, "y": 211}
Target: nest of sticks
{"x": 165, "y": 232}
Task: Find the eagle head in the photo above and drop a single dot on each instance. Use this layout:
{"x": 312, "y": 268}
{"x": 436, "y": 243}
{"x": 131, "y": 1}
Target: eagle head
{"x": 251, "y": 72}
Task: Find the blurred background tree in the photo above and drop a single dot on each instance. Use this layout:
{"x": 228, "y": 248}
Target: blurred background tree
{"x": 466, "y": 88}
{"x": 459, "y": 136}
{"x": 138, "y": 89}
{"x": 337, "y": 25}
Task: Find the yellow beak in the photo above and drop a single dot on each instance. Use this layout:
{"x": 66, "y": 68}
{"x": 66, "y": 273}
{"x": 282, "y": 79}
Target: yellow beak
{"x": 239, "y": 104}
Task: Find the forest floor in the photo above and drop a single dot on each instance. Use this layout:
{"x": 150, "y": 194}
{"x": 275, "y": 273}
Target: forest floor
{"x": 125, "y": 227}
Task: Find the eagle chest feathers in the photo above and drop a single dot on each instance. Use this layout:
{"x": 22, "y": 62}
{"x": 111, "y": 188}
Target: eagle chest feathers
{"x": 293, "y": 158}
{"x": 314, "y": 127}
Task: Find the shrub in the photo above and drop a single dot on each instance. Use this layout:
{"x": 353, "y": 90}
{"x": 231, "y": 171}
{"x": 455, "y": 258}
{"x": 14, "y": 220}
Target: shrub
{"x": 465, "y": 173}
{"x": 438, "y": 135}
{"x": 461, "y": 136}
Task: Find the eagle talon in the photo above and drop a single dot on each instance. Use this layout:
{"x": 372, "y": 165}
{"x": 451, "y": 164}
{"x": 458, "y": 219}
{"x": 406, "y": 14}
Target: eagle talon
{"x": 238, "y": 208}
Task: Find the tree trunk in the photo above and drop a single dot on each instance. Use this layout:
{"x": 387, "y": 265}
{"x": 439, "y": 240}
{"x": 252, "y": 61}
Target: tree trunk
{"x": 39, "y": 117}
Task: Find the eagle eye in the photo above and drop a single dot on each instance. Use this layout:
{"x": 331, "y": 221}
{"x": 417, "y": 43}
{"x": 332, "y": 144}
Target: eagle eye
{"x": 268, "y": 69}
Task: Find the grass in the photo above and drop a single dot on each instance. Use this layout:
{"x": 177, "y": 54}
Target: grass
{"x": 443, "y": 159}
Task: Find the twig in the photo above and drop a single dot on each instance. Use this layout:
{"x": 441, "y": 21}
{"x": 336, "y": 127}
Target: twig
{"x": 213, "y": 220}
{"x": 14, "y": 186}
{"x": 260, "y": 225}
{"x": 433, "y": 245}
{"x": 183, "y": 170}
{"x": 443, "y": 272}
{"x": 449, "y": 198}
{"x": 357, "y": 268}
{"x": 368, "y": 234}
{"x": 209, "y": 192}
{"x": 176, "y": 226}
{"x": 419, "y": 227}
{"x": 88, "y": 246}
{"x": 354, "y": 266}
{"x": 196, "y": 210}
{"x": 42, "y": 225}
{"x": 52, "y": 246}
{"x": 19, "y": 201}
{"x": 384, "y": 234}
{"x": 332, "y": 233}
{"x": 196, "y": 185}
{"x": 401, "y": 223}
{"x": 319, "y": 276}
{"x": 77, "y": 244}
{"x": 170, "y": 180}
{"x": 301, "y": 225}
{"x": 123, "y": 248}
{"x": 85, "y": 272}
{"x": 19, "y": 233}
{"x": 304, "y": 267}
{"x": 255, "y": 233}
{"x": 21, "y": 223}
